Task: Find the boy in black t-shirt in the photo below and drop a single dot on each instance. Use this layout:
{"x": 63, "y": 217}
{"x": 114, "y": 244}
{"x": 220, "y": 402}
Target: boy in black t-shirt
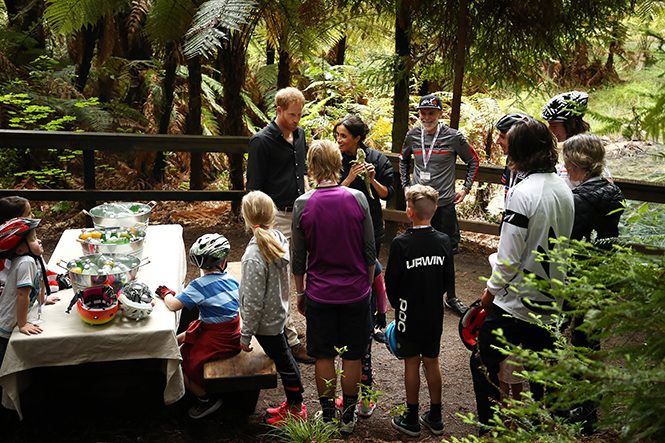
{"x": 420, "y": 271}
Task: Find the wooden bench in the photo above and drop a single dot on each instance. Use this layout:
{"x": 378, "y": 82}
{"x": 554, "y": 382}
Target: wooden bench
{"x": 241, "y": 377}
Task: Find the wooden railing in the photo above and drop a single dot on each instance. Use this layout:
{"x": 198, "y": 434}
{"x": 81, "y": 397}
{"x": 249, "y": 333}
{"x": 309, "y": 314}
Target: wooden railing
{"x": 88, "y": 143}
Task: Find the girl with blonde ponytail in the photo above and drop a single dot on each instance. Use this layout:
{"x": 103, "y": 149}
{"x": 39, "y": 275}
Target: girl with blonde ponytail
{"x": 264, "y": 301}
{"x": 258, "y": 210}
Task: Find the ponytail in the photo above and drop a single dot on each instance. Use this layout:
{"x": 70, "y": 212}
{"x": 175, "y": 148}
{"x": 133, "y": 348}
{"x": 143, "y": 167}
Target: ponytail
{"x": 258, "y": 210}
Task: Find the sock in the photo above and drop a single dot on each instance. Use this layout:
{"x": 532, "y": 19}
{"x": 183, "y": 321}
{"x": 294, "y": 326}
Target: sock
{"x": 204, "y": 398}
{"x": 327, "y": 407}
{"x": 434, "y": 412}
{"x": 349, "y": 402}
{"x": 412, "y": 413}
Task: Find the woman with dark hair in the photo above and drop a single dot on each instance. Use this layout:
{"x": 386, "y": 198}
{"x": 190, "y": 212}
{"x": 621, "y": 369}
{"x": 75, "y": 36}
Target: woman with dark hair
{"x": 564, "y": 114}
{"x": 350, "y": 134}
{"x": 538, "y": 208}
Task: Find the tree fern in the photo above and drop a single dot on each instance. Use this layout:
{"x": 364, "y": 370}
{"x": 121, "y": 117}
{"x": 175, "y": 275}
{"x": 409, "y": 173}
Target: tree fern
{"x": 205, "y": 34}
{"x": 70, "y": 16}
{"x": 169, "y": 20}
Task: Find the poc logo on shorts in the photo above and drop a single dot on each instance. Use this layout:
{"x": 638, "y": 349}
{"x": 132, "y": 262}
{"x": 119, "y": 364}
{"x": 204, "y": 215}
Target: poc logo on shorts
{"x": 401, "y": 316}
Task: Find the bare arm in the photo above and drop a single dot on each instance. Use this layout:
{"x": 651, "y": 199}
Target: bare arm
{"x": 173, "y": 303}
{"x": 22, "y": 307}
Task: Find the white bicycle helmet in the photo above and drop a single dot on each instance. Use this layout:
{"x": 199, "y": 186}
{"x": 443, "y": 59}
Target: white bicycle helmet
{"x": 135, "y": 300}
{"x": 209, "y": 251}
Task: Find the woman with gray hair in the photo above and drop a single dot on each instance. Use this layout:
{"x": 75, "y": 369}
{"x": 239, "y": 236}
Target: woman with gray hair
{"x": 598, "y": 202}
{"x": 333, "y": 243}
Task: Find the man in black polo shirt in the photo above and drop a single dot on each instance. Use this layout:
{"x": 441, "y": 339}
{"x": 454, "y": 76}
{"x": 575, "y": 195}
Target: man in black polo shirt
{"x": 276, "y": 166}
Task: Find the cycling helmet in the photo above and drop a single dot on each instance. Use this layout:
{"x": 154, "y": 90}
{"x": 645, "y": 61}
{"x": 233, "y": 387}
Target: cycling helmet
{"x": 209, "y": 251}
{"x": 96, "y": 306}
{"x": 135, "y": 300}
{"x": 506, "y": 122}
{"x": 12, "y": 232}
{"x": 565, "y": 106}
{"x": 391, "y": 341}
{"x": 470, "y": 324}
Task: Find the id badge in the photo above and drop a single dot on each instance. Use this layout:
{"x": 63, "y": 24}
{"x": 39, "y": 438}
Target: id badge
{"x": 425, "y": 176}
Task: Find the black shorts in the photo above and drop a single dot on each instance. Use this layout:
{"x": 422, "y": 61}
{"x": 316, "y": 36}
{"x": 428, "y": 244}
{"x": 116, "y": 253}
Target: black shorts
{"x": 331, "y": 326}
{"x": 406, "y": 348}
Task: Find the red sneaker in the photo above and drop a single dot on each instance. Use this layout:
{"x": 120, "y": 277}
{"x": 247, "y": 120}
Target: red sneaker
{"x": 278, "y": 410}
{"x": 280, "y": 419}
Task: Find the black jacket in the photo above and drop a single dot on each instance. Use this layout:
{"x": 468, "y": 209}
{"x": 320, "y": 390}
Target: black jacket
{"x": 595, "y": 199}
{"x": 420, "y": 270}
{"x": 384, "y": 175}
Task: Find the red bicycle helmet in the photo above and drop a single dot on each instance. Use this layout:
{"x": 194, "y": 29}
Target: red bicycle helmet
{"x": 470, "y": 323}
{"x": 96, "y": 306}
{"x": 12, "y": 232}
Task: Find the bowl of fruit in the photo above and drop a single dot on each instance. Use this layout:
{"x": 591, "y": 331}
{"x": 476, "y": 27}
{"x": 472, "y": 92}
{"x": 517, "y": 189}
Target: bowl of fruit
{"x": 123, "y": 240}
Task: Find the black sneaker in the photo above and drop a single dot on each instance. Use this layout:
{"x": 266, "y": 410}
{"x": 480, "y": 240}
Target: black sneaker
{"x": 456, "y": 306}
{"x": 402, "y": 426}
{"x": 435, "y": 427}
{"x": 380, "y": 336}
{"x": 204, "y": 407}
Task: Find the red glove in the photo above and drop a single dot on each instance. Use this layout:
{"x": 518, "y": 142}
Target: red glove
{"x": 162, "y": 291}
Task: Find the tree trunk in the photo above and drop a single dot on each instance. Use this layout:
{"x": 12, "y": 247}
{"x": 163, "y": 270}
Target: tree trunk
{"x": 170, "y": 66}
{"x": 460, "y": 56}
{"x": 27, "y": 17}
{"x": 193, "y": 121}
{"x": 89, "y": 36}
{"x": 232, "y": 65}
{"x": 270, "y": 54}
{"x": 284, "y": 70}
{"x": 341, "y": 51}
{"x": 403, "y": 51}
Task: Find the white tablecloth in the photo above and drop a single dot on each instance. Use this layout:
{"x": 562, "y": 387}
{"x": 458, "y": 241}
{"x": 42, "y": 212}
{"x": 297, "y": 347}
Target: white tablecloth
{"x": 68, "y": 340}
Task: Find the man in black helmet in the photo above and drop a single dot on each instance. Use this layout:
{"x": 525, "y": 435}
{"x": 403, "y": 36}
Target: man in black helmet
{"x": 435, "y": 147}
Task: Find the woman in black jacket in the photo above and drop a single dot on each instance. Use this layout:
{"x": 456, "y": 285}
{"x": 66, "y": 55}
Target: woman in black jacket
{"x": 598, "y": 202}
{"x": 350, "y": 134}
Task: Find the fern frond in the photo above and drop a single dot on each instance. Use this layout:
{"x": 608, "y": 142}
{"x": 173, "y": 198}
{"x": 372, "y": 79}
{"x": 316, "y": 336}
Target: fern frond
{"x": 205, "y": 34}
{"x": 169, "y": 20}
{"x": 137, "y": 15}
{"x": 70, "y": 16}
{"x": 250, "y": 104}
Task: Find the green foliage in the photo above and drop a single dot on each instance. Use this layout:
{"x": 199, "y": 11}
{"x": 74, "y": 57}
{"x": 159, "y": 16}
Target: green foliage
{"x": 620, "y": 296}
{"x": 61, "y": 207}
{"x": 642, "y": 223}
{"x": 205, "y": 33}
{"x": 70, "y": 16}
{"x": 307, "y": 431}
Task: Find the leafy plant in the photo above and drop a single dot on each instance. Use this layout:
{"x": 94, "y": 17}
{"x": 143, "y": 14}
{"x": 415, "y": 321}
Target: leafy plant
{"x": 621, "y": 297}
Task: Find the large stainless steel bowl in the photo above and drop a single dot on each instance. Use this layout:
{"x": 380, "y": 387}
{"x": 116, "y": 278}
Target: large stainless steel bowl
{"x": 120, "y": 214}
{"x": 116, "y": 277}
{"x": 134, "y": 248}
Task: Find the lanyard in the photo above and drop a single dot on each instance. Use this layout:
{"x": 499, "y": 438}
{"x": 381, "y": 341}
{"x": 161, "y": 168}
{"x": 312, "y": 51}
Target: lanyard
{"x": 426, "y": 156}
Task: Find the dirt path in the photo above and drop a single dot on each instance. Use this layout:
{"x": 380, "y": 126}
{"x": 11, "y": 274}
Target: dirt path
{"x": 122, "y": 409}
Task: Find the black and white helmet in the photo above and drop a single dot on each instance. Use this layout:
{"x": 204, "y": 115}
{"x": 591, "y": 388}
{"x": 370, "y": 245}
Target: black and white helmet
{"x": 507, "y": 121}
{"x": 565, "y": 106}
{"x": 209, "y": 251}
